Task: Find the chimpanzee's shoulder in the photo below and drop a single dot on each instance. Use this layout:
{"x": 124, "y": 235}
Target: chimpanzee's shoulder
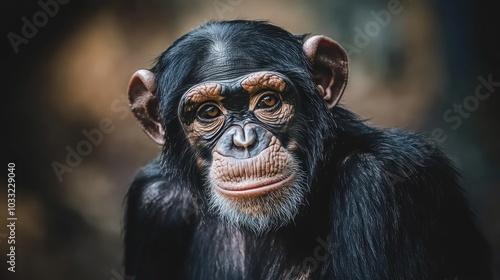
{"x": 152, "y": 184}
{"x": 413, "y": 147}
{"x": 391, "y": 147}
{"x": 154, "y": 190}
{"x": 408, "y": 153}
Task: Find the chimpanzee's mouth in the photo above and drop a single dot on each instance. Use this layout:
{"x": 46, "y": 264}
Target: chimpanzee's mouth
{"x": 250, "y": 188}
{"x": 271, "y": 169}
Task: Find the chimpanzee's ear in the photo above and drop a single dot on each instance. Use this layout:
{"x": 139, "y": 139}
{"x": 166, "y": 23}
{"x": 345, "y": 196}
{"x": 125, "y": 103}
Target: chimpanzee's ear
{"x": 329, "y": 63}
{"x": 144, "y": 104}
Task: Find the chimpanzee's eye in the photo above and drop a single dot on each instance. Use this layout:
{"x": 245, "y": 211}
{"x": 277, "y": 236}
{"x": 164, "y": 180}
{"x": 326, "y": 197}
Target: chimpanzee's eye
{"x": 269, "y": 100}
{"x": 208, "y": 111}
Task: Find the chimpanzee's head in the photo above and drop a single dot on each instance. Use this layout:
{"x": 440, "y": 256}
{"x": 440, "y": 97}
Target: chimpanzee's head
{"x": 243, "y": 107}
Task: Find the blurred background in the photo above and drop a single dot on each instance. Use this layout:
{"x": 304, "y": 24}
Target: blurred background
{"x": 413, "y": 64}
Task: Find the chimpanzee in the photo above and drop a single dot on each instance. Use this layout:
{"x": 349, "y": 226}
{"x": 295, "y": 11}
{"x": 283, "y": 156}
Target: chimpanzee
{"x": 262, "y": 176}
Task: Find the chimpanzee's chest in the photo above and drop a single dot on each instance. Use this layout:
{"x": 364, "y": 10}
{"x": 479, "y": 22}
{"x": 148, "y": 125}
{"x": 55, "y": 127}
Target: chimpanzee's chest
{"x": 234, "y": 254}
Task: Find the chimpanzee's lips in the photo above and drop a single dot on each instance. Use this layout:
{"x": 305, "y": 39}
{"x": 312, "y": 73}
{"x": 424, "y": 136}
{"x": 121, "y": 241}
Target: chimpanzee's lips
{"x": 255, "y": 188}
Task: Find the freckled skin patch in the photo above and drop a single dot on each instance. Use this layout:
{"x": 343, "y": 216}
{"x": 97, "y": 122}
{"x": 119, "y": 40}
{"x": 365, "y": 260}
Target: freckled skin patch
{"x": 263, "y": 80}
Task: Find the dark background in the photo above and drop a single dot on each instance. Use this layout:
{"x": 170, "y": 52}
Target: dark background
{"x": 74, "y": 71}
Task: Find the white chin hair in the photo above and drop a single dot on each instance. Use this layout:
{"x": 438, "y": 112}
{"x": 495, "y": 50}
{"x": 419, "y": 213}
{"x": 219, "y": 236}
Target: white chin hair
{"x": 263, "y": 213}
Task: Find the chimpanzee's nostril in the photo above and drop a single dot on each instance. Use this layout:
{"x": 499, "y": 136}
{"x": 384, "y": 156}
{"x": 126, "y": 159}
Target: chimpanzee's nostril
{"x": 252, "y": 145}
{"x": 239, "y": 148}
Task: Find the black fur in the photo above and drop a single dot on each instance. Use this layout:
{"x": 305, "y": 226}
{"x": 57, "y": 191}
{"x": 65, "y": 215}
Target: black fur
{"x": 382, "y": 204}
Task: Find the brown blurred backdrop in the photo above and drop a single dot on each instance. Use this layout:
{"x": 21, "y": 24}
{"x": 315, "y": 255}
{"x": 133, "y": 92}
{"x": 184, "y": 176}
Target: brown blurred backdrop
{"x": 68, "y": 73}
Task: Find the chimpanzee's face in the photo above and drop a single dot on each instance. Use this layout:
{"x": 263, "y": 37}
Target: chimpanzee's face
{"x": 250, "y": 105}
{"x": 238, "y": 129}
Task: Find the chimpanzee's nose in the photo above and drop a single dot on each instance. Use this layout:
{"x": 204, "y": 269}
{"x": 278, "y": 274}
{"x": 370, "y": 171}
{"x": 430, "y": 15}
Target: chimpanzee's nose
{"x": 244, "y": 138}
{"x": 243, "y": 142}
